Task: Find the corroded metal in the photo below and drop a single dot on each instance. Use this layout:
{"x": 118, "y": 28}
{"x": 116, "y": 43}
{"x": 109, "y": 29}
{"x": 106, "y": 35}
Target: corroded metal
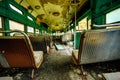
{"x": 100, "y": 46}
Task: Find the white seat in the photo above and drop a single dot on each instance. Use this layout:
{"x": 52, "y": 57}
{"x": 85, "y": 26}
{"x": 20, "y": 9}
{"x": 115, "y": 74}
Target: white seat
{"x": 75, "y": 56}
{"x": 38, "y": 57}
{"x": 6, "y": 78}
{"x": 98, "y": 46}
{"x": 112, "y": 76}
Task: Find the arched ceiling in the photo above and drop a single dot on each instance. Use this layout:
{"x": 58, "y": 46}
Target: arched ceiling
{"x": 57, "y": 14}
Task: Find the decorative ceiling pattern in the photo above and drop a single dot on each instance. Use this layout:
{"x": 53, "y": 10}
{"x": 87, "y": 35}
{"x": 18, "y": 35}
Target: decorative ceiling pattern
{"x": 57, "y": 14}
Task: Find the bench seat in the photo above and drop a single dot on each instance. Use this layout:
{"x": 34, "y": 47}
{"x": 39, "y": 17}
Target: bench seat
{"x": 98, "y": 46}
{"x": 17, "y": 52}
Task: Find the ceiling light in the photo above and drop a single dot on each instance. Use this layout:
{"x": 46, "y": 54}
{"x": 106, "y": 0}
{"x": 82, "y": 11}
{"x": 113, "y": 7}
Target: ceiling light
{"x": 37, "y": 7}
{"x": 56, "y": 13}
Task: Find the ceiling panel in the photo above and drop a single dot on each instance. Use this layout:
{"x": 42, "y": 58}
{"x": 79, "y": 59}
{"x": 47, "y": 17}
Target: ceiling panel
{"x": 57, "y": 14}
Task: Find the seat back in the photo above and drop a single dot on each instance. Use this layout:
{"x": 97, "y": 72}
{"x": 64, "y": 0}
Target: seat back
{"x": 99, "y": 46}
{"x": 48, "y": 39}
{"x": 38, "y": 43}
{"x": 16, "y": 52}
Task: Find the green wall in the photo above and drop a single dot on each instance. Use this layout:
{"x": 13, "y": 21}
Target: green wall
{"x": 97, "y": 13}
{"x": 9, "y": 14}
{"x": 99, "y": 8}
{"x": 77, "y": 40}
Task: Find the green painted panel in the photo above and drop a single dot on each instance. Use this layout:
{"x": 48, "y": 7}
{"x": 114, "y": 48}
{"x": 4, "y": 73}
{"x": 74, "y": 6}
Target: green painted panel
{"x": 6, "y": 11}
{"x": 99, "y": 8}
{"x": 77, "y": 40}
{"x": 87, "y": 13}
{"x": 6, "y": 25}
{"x": 103, "y": 5}
{"x": 2, "y": 3}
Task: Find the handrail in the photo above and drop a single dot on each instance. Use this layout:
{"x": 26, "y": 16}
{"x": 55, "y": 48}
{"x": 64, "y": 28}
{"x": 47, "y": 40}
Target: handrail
{"x": 106, "y": 25}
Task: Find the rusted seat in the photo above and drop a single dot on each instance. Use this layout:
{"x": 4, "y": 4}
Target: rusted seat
{"x": 98, "y": 46}
{"x": 38, "y": 43}
{"x": 17, "y": 52}
{"x": 48, "y": 40}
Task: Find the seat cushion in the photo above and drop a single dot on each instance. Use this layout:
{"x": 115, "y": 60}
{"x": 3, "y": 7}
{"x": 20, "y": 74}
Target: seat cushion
{"x": 75, "y": 56}
{"x": 112, "y": 76}
{"x": 6, "y": 78}
{"x": 38, "y": 57}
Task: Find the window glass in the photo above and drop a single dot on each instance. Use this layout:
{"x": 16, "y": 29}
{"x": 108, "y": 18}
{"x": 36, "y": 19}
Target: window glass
{"x": 1, "y": 25}
{"x": 89, "y": 24}
{"x": 16, "y": 26}
{"x": 16, "y": 9}
{"x": 113, "y": 16}
{"x": 37, "y": 31}
{"x": 30, "y": 30}
{"x": 72, "y": 30}
{"x": 29, "y": 18}
{"x": 77, "y": 28}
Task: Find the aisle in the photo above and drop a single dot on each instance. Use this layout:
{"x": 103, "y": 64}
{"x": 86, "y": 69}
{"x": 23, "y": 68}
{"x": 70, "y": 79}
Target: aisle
{"x": 66, "y": 51}
{"x": 58, "y": 67}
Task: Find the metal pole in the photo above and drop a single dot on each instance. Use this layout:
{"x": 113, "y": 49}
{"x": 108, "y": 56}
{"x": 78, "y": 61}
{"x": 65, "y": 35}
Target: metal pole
{"x": 106, "y": 25}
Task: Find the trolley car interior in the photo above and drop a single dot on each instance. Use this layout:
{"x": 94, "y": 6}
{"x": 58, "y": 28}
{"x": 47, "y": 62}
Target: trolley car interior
{"x": 59, "y": 39}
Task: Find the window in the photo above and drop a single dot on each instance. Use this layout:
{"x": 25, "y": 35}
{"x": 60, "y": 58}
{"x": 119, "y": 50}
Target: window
{"x": 71, "y": 30}
{"x": 1, "y": 25}
{"x": 37, "y": 31}
{"x": 77, "y": 28}
{"x": 30, "y": 30}
{"x": 113, "y": 16}
{"x": 29, "y": 18}
{"x": 15, "y": 9}
{"x": 89, "y": 24}
{"x": 16, "y": 26}
{"x": 82, "y": 25}
{"x": 0, "y": 22}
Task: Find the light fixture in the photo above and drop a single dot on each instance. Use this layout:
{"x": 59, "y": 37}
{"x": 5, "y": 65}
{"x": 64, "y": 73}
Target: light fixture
{"x": 56, "y": 13}
{"x": 37, "y": 7}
